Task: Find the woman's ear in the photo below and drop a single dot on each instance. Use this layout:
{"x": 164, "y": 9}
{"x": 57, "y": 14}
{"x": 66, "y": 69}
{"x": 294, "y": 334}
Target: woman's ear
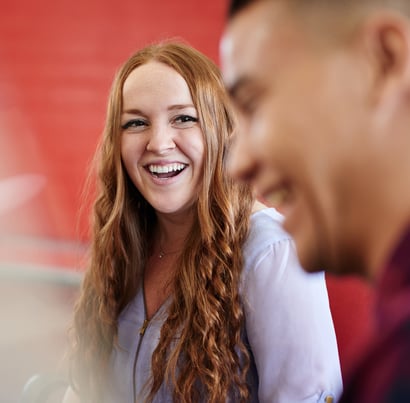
{"x": 386, "y": 36}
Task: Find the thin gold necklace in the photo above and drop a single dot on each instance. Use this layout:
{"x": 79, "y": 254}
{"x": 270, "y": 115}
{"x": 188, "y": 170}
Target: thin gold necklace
{"x": 162, "y": 253}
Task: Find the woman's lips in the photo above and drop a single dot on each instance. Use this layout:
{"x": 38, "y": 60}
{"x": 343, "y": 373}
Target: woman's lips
{"x": 164, "y": 171}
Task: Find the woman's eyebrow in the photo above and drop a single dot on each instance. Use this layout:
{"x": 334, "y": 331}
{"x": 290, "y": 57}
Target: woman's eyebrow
{"x": 180, "y": 106}
{"x": 132, "y": 111}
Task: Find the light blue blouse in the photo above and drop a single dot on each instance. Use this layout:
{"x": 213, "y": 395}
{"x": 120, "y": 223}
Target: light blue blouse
{"x": 288, "y": 326}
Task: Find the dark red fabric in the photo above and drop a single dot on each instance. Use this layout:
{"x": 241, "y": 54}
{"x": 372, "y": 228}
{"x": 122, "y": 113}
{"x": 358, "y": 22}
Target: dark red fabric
{"x": 383, "y": 374}
{"x": 351, "y": 303}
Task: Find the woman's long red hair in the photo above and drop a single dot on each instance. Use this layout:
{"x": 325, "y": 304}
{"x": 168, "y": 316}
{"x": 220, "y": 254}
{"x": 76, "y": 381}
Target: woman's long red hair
{"x": 209, "y": 357}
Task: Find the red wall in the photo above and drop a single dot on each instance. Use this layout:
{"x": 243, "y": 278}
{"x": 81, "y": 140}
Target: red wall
{"x": 57, "y": 60}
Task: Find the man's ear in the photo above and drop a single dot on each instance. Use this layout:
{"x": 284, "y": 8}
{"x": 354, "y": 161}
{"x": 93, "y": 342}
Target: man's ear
{"x": 386, "y": 37}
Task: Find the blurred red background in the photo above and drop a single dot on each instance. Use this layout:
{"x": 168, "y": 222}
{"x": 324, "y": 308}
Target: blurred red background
{"x": 57, "y": 60}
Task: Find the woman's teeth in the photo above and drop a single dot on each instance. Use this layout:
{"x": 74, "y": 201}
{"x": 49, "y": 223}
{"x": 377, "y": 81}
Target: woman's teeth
{"x": 174, "y": 168}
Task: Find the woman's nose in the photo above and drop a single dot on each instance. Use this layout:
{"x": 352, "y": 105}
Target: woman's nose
{"x": 160, "y": 139}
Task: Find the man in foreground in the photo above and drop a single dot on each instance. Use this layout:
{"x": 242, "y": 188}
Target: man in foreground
{"x": 323, "y": 94}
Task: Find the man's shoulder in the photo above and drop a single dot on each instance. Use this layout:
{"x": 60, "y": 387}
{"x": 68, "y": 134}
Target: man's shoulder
{"x": 384, "y": 373}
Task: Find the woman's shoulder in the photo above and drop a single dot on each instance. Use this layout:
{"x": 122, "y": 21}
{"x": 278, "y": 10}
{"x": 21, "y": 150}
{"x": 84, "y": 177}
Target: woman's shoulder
{"x": 266, "y": 239}
{"x": 266, "y": 228}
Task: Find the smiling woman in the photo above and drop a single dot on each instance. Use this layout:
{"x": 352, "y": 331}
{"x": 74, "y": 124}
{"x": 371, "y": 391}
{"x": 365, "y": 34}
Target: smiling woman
{"x": 182, "y": 272}
{"x": 162, "y": 143}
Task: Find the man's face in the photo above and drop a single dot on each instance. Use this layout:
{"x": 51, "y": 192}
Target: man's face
{"x": 301, "y": 113}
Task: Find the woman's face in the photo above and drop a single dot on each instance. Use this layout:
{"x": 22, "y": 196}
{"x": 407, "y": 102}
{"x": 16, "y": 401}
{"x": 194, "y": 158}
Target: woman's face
{"x": 162, "y": 145}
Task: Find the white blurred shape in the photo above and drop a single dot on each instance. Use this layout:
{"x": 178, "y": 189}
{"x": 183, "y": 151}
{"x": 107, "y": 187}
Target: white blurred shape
{"x": 18, "y": 189}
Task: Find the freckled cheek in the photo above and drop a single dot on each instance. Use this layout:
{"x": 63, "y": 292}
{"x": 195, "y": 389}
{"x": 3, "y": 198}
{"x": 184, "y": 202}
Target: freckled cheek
{"x": 131, "y": 152}
{"x": 194, "y": 147}
{"x": 199, "y": 157}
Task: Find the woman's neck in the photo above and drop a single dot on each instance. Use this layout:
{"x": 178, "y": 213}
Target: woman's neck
{"x": 172, "y": 229}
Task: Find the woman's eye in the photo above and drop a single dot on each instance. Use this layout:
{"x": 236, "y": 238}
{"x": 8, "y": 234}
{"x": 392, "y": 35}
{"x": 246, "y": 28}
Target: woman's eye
{"x": 185, "y": 119}
{"x": 134, "y": 123}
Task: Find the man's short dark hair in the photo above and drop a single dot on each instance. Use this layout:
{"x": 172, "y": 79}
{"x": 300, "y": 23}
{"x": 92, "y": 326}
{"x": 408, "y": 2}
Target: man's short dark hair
{"x": 400, "y": 5}
{"x": 237, "y": 5}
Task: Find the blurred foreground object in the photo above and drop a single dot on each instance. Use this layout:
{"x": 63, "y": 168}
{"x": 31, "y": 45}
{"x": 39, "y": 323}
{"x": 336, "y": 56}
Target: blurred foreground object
{"x": 44, "y": 388}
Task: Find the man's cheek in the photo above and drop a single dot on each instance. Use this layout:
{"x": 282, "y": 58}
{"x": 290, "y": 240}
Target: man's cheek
{"x": 260, "y": 134}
